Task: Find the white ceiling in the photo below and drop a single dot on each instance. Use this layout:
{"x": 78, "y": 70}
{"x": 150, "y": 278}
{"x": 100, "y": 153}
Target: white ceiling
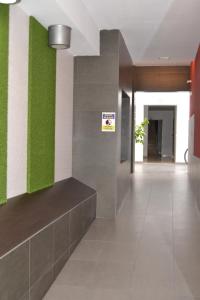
{"x": 152, "y": 28}
{"x": 85, "y": 33}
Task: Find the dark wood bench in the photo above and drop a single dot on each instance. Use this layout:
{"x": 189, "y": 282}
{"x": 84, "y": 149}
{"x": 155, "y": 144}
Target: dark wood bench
{"x": 38, "y": 233}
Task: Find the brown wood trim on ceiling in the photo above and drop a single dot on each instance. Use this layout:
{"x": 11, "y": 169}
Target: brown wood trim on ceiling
{"x": 161, "y": 79}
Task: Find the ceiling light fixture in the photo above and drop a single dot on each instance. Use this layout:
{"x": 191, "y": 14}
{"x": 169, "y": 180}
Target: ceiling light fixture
{"x": 164, "y": 57}
{"x": 59, "y": 36}
{"x": 10, "y": 1}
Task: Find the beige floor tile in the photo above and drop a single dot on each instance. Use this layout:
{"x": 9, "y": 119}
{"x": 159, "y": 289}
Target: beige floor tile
{"x": 119, "y": 252}
{"x": 153, "y": 281}
{"x": 122, "y": 234}
{"x": 113, "y": 276}
{"x": 187, "y": 274}
{"x": 102, "y": 294}
{"x": 187, "y": 298}
{"x": 64, "y": 292}
{"x": 88, "y": 250}
{"x": 97, "y": 232}
{"x": 150, "y": 252}
{"x": 77, "y": 273}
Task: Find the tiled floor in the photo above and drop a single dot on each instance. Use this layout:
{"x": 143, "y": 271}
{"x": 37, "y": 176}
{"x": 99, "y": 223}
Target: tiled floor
{"x": 150, "y": 252}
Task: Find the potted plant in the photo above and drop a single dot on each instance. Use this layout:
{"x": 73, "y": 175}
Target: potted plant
{"x": 140, "y": 131}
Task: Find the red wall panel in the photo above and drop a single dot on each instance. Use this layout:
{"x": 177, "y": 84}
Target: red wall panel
{"x": 195, "y": 101}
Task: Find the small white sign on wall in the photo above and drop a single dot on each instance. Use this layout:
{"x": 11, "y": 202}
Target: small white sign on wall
{"x": 108, "y": 121}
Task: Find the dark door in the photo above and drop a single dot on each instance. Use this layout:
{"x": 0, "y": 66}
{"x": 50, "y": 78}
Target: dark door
{"x": 154, "y": 140}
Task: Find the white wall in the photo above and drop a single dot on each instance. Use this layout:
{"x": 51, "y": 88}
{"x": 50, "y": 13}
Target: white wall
{"x": 18, "y": 107}
{"x": 17, "y": 102}
{"x": 64, "y": 115}
{"x": 178, "y": 99}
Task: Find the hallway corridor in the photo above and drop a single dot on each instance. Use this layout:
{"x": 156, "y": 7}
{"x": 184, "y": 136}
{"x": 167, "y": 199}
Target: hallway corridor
{"x": 150, "y": 252}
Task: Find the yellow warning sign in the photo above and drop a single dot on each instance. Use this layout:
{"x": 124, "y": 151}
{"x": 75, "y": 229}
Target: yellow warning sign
{"x": 108, "y": 122}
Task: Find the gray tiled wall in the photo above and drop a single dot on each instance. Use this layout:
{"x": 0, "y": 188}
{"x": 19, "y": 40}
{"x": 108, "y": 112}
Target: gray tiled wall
{"x": 27, "y": 272}
{"x": 194, "y": 163}
{"x": 98, "y": 85}
{"x": 125, "y": 85}
{"x": 14, "y": 274}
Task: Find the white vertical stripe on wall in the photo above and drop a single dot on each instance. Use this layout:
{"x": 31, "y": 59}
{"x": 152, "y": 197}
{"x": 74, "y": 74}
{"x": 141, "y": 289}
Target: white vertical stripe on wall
{"x": 17, "y": 102}
{"x": 64, "y": 115}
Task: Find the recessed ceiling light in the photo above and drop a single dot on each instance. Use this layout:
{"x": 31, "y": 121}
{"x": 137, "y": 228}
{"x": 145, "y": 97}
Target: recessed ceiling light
{"x": 164, "y": 57}
{"x": 10, "y": 1}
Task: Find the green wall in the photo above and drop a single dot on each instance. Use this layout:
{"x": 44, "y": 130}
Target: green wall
{"x": 41, "y": 110}
{"x": 4, "y": 34}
